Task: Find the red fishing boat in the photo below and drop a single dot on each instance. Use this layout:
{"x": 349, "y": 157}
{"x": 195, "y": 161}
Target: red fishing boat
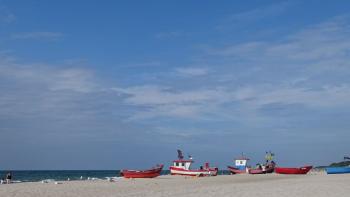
{"x": 183, "y": 167}
{"x": 301, "y": 170}
{"x": 269, "y": 167}
{"x": 234, "y": 170}
{"x": 240, "y": 166}
{"x": 150, "y": 173}
{"x": 263, "y": 169}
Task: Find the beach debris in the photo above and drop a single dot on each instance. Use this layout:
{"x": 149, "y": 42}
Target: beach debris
{"x": 47, "y": 181}
{"x": 113, "y": 179}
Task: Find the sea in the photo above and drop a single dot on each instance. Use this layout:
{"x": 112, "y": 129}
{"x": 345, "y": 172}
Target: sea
{"x": 63, "y": 175}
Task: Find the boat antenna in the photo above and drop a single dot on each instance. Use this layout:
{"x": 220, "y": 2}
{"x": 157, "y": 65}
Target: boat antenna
{"x": 269, "y": 156}
{"x": 179, "y": 154}
{"x": 190, "y": 157}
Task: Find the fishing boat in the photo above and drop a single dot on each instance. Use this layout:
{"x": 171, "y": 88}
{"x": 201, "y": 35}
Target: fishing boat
{"x": 269, "y": 166}
{"x": 240, "y": 166}
{"x": 338, "y": 170}
{"x": 301, "y": 170}
{"x": 182, "y": 166}
{"x": 262, "y": 169}
{"x": 150, "y": 173}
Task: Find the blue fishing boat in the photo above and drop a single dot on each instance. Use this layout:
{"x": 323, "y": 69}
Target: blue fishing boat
{"x": 337, "y": 170}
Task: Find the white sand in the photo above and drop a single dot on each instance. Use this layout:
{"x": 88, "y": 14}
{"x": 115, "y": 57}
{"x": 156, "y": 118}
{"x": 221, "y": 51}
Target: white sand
{"x": 272, "y": 185}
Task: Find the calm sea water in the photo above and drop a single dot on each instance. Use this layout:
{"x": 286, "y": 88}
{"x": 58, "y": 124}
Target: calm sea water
{"x": 59, "y": 175}
{"x": 62, "y": 175}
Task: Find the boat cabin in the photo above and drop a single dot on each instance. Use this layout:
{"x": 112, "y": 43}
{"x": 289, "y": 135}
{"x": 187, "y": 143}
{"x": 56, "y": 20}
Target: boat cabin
{"x": 241, "y": 163}
{"x": 184, "y": 164}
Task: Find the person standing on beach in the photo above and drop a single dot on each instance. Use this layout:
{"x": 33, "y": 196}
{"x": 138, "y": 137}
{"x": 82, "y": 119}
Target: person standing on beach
{"x": 8, "y": 178}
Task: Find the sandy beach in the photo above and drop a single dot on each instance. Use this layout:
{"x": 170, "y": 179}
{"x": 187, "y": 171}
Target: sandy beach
{"x": 271, "y": 185}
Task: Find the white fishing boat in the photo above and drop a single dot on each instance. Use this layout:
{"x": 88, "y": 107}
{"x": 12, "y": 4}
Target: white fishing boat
{"x": 183, "y": 167}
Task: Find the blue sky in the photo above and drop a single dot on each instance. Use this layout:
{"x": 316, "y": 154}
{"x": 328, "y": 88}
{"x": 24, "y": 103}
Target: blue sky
{"x": 116, "y": 84}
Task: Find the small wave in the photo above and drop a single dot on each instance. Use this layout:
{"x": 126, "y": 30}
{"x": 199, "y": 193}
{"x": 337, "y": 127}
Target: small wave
{"x": 47, "y": 180}
{"x": 114, "y": 178}
{"x": 93, "y": 179}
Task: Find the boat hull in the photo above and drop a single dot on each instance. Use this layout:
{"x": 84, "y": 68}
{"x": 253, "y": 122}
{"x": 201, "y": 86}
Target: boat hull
{"x": 301, "y": 170}
{"x": 261, "y": 171}
{"x": 234, "y": 170}
{"x": 151, "y": 173}
{"x": 338, "y": 170}
{"x": 204, "y": 172}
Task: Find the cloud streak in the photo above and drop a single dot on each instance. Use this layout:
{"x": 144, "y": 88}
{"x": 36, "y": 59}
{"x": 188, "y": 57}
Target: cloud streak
{"x": 312, "y": 51}
{"x": 261, "y": 12}
{"x": 253, "y": 15}
{"x": 307, "y": 68}
{"x": 192, "y": 71}
{"x": 33, "y": 90}
{"x": 6, "y": 16}
{"x": 39, "y": 35}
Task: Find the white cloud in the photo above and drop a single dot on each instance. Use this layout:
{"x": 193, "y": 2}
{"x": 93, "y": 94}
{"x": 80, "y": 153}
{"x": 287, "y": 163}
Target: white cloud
{"x": 192, "y": 71}
{"x": 261, "y": 12}
{"x": 157, "y": 95}
{"x": 73, "y": 79}
{"x": 190, "y": 111}
{"x": 78, "y": 80}
{"x": 318, "y": 54}
{"x": 291, "y": 70}
{"x": 161, "y": 102}
{"x": 244, "y": 50}
{"x": 325, "y": 97}
{"x": 165, "y": 102}
{"x": 315, "y": 45}
{"x": 31, "y": 90}
{"x": 318, "y": 43}
{"x": 255, "y": 14}
{"x": 307, "y": 68}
